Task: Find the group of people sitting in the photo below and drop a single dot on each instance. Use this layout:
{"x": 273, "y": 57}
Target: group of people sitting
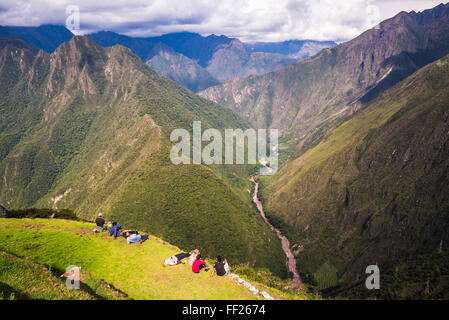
{"x": 116, "y": 230}
{"x": 221, "y": 267}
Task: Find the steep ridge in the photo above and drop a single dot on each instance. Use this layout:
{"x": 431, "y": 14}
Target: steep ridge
{"x": 307, "y": 98}
{"x": 162, "y": 59}
{"x": 88, "y": 128}
{"x": 224, "y": 58}
{"x": 375, "y": 190}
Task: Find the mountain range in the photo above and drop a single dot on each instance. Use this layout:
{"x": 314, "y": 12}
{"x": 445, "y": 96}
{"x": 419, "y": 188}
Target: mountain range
{"x": 365, "y": 142}
{"x": 306, "y": 98}
{"x": 195, "y": 61}
{"x": 45, "y": 37}
{"x": 192, "y": 60}
{"x": 295, "y": 49}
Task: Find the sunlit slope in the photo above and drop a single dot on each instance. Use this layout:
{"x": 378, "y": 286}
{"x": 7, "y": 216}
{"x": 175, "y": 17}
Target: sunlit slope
{"x": 23, "y": 279}
{"x": 375, "y": 190}
{"x": 134, "y": 270}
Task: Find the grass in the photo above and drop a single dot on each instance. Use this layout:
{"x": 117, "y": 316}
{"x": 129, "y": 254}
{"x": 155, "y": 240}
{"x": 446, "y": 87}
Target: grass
{"x": 22, "y": 279}
{"x": 340, "y": 140}
{"x": 424, "y": 277}
{"x": 136, "y": 270}
{"x": 280, "y": 287}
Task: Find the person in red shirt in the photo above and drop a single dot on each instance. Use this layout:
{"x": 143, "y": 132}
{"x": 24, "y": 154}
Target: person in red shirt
{"x": 199, "y": 264}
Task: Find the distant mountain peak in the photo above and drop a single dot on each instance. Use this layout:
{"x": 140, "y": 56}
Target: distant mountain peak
{"x": 77, "y": 45}
{"x": 295, "y": 49}
{"x": 46, "y": 37}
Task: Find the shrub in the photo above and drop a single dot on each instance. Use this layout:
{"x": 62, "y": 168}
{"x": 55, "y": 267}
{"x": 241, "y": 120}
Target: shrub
{"x": 33, "y": 213}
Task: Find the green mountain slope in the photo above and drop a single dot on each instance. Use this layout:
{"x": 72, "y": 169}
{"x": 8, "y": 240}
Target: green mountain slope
{"x": 424, "y": 276}
{"x": 23, "y": 279}
{"x": 375, "y": 190}
{"x": 87, "y": 128}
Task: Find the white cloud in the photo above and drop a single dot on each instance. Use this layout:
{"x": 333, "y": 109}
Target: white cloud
{"x": 262, "y": 20}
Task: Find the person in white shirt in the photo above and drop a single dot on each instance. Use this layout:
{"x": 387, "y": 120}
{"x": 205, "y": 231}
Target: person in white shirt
{"x": 133, "y": 238}
{"x": 193, "y": 255}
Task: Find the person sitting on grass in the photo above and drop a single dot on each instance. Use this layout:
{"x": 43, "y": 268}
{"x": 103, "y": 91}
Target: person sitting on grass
{"x": 199, "y": 265}
{"x": 193, "y": 255}
{"x": 100, "y": 224}
{"x": 135, "y": 237}
{"x": 114, "y": 230}
{"x": 219, "y": 267}
{"x": 124, "y": 234}
{"x": 226, "y": 266}
{"x": 176, "y": 259}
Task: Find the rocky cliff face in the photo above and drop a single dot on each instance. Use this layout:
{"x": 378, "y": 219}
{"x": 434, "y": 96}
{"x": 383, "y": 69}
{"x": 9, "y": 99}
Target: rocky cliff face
{"x": 180, "y": 69}
{"x": 305, "y": 99}
{"x": 310, "y": 48}
{"x": 231, "y": 61}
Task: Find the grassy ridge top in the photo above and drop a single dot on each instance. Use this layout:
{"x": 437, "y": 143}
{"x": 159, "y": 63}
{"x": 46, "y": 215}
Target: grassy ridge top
{"x": 23, "y": 279}
{"x": 134, "y": 269}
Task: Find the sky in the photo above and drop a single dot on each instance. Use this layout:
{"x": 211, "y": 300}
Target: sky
{"x": 248, "y": 20}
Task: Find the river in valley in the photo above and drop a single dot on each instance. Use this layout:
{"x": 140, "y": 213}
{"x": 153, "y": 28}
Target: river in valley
{"x": 291, "y": 262}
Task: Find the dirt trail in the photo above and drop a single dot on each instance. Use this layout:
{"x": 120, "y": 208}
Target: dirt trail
{"x": 291, "y": 262}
